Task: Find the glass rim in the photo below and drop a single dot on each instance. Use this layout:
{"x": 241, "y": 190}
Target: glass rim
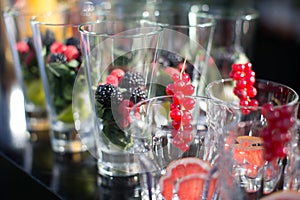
{"x": 34, "y": 20}
{"x": 222, "y": 81}
{"x": 82, "y": 30}
{"x": 219, "y": 12}
{"x": 198, "y": 25}
{"x": 169, "y": 97}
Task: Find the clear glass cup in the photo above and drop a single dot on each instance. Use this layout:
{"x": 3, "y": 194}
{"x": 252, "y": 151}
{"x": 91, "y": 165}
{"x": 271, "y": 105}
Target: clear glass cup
{"x": 158, "y": 144}
{"x": 186, "y": 41}
{"x": 17, "y": 24}
{"x": 233, "y": 36}
{"x": 259, "y": 133}
{"x": 57, "y": 43}
{"x": 120, "y": 68}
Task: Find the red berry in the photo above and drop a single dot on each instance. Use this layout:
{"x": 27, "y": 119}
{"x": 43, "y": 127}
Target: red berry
{"x": 185, "y": 77}
{"x": 22, "y": 47}
{"x": 119, "y": 73}
{"x": 241, "y": 84}
{"x": 188, "y": 127}
{"x": 248, "y": 67}
{"x": 174, "y": 106}
{"x": 188, "y": 103}
{"x": 188, "y": 89}
{"x": 239, "y": 75}
{"x": 176, "y": 77}
{"x": 71, "y": 52}
{"x": 241, "y": 93}
{"x": 175, "y": 115}
{"x": 176, "y": 125}
{"x": 179, "y": 85}
{"x": 58, "y": 47}
{"x": 110, "y": 79}
{"x": 170, "y": 89}
{"x": 177, "y": 97}
{"x": 186, "y": 117}
{"x": 251, "y": 91}
{"x": 253, "y": 103}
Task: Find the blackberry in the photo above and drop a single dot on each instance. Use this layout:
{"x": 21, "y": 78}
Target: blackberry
{"x": 57, "y": 58}
{"x": 137, "y": 95}
{"x": 48, "y": 39}
{"x": 29, "y": 42}
{"x": 106, "y": 94}
{"x": 132, "y": 80}
{"x": 116, "y": 97}
{"x": 170, "y": 58}
{"x": 74, "y": 41}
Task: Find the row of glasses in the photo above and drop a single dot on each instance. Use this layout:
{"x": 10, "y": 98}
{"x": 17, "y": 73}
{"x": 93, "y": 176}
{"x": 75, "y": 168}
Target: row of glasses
{"x": 145, "y": 142}
{"x": 123, "y": 64}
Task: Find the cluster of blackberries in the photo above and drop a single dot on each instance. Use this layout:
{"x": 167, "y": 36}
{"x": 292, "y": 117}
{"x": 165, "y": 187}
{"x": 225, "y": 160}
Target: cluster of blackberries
{"x": 132, "y": 85}
{"x": 120, "y": 92}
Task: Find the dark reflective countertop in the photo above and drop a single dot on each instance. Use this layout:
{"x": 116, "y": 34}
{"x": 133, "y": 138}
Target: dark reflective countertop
{"x": 29, "y": 168}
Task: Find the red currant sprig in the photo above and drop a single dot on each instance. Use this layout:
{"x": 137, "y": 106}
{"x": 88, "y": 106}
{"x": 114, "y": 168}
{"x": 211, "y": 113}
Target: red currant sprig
{"x": 276, "y": 134}
{"x": 244, "y": 89}
{"x": 180, "y": 107}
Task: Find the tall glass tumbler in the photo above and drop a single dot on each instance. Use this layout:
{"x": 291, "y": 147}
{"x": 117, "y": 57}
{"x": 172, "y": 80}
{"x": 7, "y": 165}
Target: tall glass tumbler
{"x": 121, "y": 69}
{"x": 17, "y": 24}
{"x": 160, "y": 140}
{"x": 186, "y": 45}
{"x": 265, "y": 136}
{"x": 232, "y": 40}
{"x": 57, "y": 43}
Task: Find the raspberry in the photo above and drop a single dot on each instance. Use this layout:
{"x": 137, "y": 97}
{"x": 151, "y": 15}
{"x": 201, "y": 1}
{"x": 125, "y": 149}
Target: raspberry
{"x": 132, "y": 80}
{"x": 22, "y": 47}
{"x": 110, "y": 79}
{"x": 71, "y": 52}
{"x": 58, "y": 47}
{"x": 74, "y": 42}
{"x": 104, "y": 95}
{"x": 119, "y": 73}
{"x": 57, "y": 58}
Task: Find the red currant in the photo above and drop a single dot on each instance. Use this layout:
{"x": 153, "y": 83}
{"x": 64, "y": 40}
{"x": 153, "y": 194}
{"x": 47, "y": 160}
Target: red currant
{"x": 176, "y": 115}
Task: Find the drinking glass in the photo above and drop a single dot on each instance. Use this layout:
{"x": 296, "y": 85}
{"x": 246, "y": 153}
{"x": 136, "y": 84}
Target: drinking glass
{"x": 265, "y": 136}
{"x": 17, "y": 24}
{"x": 187, "y": 42}
{"x": 121, "y": 69}
{"x": 157, "y": 142}
{"x": 57, "y": 43}
{"x": 233, "y": 35}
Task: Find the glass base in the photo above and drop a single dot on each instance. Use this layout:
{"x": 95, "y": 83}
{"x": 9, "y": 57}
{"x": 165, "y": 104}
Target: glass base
{"x": 67, "y": 141}
{"x": 118, "y": 164}
{"x": 37, "y": 121}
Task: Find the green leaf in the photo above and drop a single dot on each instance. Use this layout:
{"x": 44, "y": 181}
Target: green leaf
{"x": 73, "y": 63}
{"x": 116, "y": 135}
